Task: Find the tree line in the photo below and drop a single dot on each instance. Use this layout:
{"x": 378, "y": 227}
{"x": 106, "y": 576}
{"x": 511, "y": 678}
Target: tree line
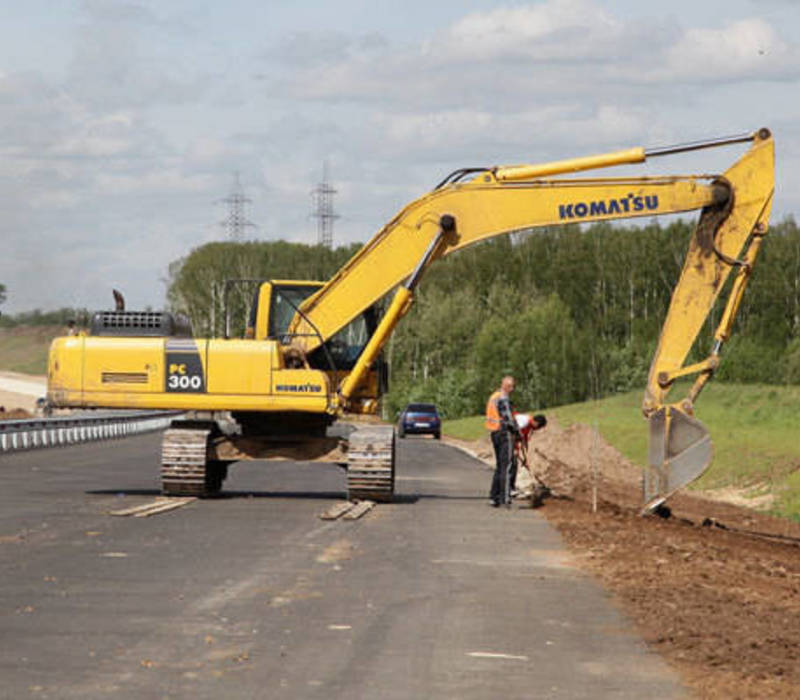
{"x": 37, "y": 317}
{"x": 215, "y": 283}
{"x": 574, "y": 313}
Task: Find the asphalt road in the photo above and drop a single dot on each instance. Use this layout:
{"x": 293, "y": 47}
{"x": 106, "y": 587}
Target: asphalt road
{"x": 251, "y": 595}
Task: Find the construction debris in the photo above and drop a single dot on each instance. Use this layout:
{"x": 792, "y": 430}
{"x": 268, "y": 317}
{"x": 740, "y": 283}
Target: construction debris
{"x": 160, "y": 505}
{"x": 360, "y": 509}
{"x": 337, "y": 510}
{"x": 348, "y": 510}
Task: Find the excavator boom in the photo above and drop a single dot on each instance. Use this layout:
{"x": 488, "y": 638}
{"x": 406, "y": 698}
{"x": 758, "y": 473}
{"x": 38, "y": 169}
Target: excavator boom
{"x": 497, "y": 201}
{"x": 734, "y": 208}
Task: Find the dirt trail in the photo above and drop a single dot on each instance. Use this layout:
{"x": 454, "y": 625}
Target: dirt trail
{"x": 715, "y": 588}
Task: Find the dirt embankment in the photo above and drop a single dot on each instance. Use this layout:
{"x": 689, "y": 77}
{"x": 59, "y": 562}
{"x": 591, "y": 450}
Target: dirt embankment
{"x": 715, "y": 588}
{"x": 14, "y": 413}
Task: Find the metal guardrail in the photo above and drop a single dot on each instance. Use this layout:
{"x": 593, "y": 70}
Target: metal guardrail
{"x": 26, "y": 434}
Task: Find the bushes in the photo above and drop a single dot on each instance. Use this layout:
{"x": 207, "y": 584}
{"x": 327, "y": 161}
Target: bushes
{"x": 541, "y": 346}
{"x": 790, "y": 363}
{"x": 37, "y": 317}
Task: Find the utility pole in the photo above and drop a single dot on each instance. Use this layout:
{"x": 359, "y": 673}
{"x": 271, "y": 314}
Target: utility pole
{"x": 236, "y": 221}
{"x": 322, "y": 197}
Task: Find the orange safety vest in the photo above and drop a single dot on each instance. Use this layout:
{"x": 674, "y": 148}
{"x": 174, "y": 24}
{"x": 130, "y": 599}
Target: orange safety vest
{"x": 493, "y": 421}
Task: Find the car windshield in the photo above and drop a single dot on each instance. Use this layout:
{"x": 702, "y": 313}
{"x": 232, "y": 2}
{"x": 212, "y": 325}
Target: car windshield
{"x": 426, "y": 408}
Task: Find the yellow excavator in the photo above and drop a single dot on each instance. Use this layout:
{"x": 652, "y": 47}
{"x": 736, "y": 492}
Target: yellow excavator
{"x": 312, "y": 352}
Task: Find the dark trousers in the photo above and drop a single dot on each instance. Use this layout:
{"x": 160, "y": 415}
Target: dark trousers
{"x": 505, "y": 466}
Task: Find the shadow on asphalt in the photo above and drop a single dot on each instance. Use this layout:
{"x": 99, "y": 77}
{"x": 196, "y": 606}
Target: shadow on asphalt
{"x": 228, "y": 495}
{"x": 448, "y": 497}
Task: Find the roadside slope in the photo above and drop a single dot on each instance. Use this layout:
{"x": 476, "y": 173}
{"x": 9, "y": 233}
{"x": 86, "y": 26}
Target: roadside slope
{"x": 24, "y": 348}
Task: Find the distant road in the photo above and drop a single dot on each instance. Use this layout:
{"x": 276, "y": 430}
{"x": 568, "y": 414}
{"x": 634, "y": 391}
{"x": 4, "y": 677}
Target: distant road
{"x": 251, "y": 595}
{"x": 21, "y": 390}
{"x": 25, "y": 384}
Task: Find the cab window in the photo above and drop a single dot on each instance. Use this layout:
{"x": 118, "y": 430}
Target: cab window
{"x": 284, "y": 303}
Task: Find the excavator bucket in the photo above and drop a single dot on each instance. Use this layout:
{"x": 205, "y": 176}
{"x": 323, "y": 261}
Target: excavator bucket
{"x": 680, "y": 451}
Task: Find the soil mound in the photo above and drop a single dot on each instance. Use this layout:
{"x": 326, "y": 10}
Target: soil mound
{"x": 11, "y": 414}
{"x": 714, "y": 587}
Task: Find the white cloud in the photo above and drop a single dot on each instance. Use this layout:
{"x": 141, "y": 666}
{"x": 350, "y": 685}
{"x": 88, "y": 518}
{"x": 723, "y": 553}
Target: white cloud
{"x": 125, "y": 56}
{"x": 104, "y": 136}
{"x": 744, "y": 49}
{"x": 207, "y": 150}
{"x": 428, "y": 130}
{"x": 547, "y": 31}
{"x": 544, "y": 50}
{"x": 171, "y": 180}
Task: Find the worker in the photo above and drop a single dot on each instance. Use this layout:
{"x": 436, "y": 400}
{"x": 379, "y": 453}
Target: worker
{"x": 527, "y": 425}
{"x": 503, "y": 430}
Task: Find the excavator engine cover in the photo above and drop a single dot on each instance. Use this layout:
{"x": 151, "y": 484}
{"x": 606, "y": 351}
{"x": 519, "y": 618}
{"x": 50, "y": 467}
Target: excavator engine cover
{"x": 680, "y": 451}
{"x": 140, "y": 324}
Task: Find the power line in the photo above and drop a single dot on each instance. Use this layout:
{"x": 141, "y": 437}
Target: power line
{"x": 322, "y": 197}
{"x": 236, "y": 222}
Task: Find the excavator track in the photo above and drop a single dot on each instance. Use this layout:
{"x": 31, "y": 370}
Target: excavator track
{"x": 370, "y": 464}
{"x": 185, "y": 467}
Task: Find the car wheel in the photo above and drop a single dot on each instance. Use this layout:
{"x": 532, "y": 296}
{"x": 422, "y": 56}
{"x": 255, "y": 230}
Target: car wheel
{"x": 438, "y": 436}
{"x": 401, "y": 433}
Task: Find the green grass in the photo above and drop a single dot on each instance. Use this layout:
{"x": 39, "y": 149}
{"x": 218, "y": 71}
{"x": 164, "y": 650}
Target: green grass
{"x": 24, "y": 349}
{"x": 470, "y": 428}
{"x": 755, "y": 430}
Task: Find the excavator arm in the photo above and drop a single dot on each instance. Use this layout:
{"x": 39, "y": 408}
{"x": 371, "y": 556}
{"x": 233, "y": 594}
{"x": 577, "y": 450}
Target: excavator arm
{"x": 727, "y": 240}
{"x": 734, "y": 206}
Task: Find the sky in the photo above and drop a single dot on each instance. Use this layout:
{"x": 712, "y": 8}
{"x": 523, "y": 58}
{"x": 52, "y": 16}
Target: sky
{"x": 123, "y": 124}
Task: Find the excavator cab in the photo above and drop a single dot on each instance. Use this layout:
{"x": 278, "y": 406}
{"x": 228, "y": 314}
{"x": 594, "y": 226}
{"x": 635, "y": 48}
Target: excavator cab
{"x": 277, "y": 302}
